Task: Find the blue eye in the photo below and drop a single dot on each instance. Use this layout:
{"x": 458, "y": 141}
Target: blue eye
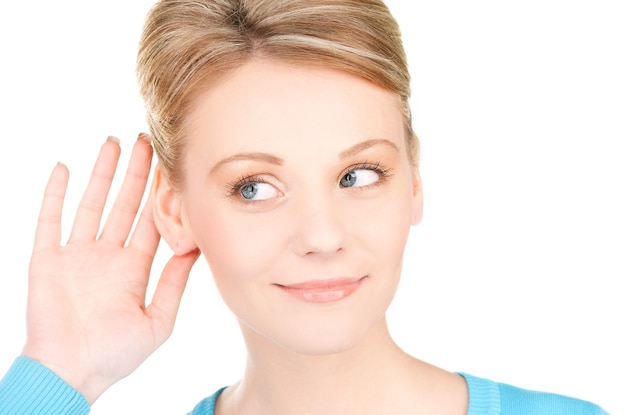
{"x": 258, "y": 191}
{"x": 359, "y": 178}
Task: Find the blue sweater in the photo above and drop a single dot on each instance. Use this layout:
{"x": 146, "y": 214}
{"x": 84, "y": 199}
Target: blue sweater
{"x": 30, "y": 388}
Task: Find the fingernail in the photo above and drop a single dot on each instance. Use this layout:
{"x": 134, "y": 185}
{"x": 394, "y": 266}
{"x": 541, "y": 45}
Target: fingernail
{"x": 145, "y": 137}
{"x": 114, "y": 139}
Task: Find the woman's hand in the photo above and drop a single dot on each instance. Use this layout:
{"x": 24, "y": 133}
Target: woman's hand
{"x": 87, "y": 319}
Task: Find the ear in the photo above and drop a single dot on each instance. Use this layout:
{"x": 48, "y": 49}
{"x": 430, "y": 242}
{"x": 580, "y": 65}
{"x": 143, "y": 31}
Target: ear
{"x": 168, "y": 215}
{"x": 418, "y": 198}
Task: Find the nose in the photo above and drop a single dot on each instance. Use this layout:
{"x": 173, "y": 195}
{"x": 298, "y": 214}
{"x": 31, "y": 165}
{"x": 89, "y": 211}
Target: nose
{"x": 318, "y": 226}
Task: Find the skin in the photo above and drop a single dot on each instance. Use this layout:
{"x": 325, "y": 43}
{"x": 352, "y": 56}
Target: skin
{"x": 87, "y": 317}
{"x": 293, "y": 133}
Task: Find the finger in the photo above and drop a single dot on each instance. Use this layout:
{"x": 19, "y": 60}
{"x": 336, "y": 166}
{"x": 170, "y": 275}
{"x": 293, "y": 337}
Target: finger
{"x": 90, "y": 209}
{"x": 169, "y": 292}
{"x": 145, "y": 237}
{"x": 124, "y": 210}
{"x": 48, "y": 231}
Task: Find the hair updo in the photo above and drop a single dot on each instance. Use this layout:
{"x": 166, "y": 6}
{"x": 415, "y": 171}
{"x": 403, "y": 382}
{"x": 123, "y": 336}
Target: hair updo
{"x": 187, "y": 45}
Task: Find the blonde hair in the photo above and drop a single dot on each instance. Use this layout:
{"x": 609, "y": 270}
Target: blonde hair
{"x": 188, "y": 44}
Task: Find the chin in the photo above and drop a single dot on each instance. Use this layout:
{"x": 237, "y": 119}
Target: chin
{"x": 324, "y": 342}
{"x": 320, "y": 336}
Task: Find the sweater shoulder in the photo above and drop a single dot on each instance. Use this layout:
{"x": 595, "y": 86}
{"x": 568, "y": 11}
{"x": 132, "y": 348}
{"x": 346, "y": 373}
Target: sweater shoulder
{"x": 487, "y": 397}
{"x": 516, "y": 401}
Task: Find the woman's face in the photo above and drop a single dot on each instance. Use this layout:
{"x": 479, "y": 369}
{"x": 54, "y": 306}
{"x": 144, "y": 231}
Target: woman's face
{"x": 299, "y": 192}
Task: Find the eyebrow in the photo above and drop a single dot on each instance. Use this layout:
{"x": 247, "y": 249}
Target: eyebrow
{"x": 362, "y": 146}
{"x": 271, "y": 159}
{"x": 255, "y": 156}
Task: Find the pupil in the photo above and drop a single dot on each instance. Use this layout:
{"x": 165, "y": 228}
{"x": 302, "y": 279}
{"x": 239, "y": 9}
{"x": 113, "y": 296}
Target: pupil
{"x": 348, "y": 179}
{"x": 249, "y": 191}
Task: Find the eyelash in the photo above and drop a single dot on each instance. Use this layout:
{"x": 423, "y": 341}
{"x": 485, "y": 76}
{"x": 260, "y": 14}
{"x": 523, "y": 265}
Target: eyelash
{"x": 383, "y": 172}
{"x": 234, "y": 188}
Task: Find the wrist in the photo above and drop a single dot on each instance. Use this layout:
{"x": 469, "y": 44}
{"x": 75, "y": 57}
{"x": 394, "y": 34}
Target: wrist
{"x": 70, "y": 372}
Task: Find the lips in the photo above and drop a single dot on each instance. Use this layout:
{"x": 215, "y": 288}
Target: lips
{"x": 323, "y": 291}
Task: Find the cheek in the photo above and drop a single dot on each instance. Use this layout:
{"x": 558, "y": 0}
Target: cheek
{"x": 385, "y": 225}
{"x": 386, "y": 237}
{"x": 391, "y": 241}
{"x": 237, "y": 248}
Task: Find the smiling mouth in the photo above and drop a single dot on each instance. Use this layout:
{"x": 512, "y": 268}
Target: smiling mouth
{"x": 323, "y": 291}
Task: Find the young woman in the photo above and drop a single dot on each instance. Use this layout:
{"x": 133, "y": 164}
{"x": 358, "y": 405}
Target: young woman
{"x": 287, "y": 158}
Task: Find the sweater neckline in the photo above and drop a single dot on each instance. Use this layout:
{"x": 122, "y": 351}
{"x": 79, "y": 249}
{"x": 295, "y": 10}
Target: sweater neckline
{"x": 484, "y": 396}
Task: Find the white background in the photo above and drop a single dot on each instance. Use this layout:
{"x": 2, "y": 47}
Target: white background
{"x": 517, "y": 270}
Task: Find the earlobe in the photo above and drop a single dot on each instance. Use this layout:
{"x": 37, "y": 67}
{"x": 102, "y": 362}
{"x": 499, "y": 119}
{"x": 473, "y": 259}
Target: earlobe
{"x": 168, "y": 215}
{"x": 418, "y": 199}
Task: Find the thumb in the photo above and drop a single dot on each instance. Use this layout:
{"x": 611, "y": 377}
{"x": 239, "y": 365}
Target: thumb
{"x": 169, "y": 292}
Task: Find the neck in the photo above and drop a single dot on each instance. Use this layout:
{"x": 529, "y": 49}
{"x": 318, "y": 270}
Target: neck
{"x": 360, "y": 380}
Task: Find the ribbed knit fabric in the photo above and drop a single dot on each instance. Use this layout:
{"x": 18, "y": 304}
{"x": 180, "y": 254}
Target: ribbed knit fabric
{"x": 490, "y": 398}
{"x": 484, "y": 396}
{"x": 207, "y": 405}
{"x": 30, "y": 388}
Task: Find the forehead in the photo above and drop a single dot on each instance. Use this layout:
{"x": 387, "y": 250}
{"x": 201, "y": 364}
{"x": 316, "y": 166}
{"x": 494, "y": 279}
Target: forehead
{"x": 265, "y": 105}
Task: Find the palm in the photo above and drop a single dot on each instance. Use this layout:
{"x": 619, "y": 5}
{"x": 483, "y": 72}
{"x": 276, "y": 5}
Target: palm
{"x": 87, "y": 317}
